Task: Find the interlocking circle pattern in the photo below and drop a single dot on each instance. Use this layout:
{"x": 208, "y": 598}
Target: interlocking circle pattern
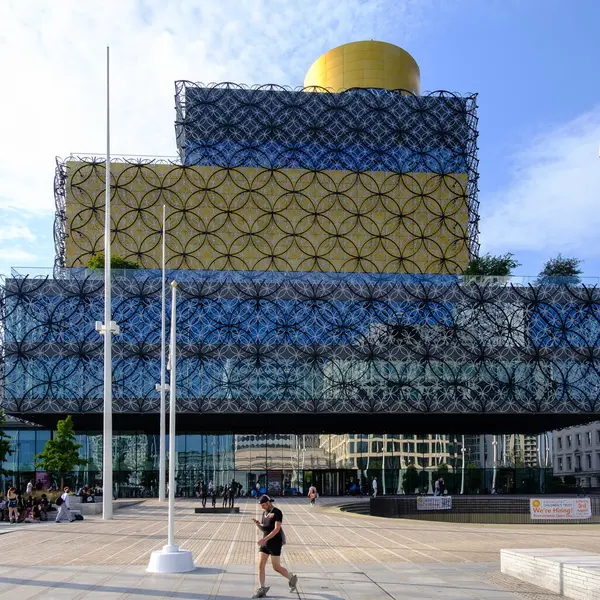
{"x": 306, "y": 344}
{"x": 274, "y": 179}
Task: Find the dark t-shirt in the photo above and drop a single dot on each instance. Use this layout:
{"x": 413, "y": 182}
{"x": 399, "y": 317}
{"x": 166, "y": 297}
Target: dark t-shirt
{"x": 269, "y": 518}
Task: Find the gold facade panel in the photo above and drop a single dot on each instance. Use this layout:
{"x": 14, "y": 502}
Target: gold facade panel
{"x": 373, "y": 64}
{"x": 256, "y": 219}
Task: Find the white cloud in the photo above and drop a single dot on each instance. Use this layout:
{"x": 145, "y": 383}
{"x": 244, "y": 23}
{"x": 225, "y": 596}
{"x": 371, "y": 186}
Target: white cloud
{"x": 15, "y": 256}
{"x": 18, "y": 243}
{"x": 15, "y": 231}
{"x": 553, "y": 200}
{"x": 53, "y": 99}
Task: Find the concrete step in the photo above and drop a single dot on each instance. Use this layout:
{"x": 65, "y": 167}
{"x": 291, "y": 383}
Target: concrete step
{"x": 361, "y": 508}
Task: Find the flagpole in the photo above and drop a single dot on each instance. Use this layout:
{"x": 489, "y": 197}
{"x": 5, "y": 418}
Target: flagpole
{"x": 163, "y": 383}
{"x": 172, "y": 559}
{"x": 172, "y": 415}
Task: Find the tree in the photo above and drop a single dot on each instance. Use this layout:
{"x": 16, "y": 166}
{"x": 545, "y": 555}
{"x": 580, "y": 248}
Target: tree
{"x": 561, "y": 270}
{"x": 442, "y": 468}
{"x": 61, "y": 454}
{"x": 519, "y": 462}
{"x": 116, "y": 262}
{"x": 488, "y": 265}
{"x": 473, "y": 478}
{"x": 122, "y": 475}
{"x": 5, "y": 442}
{"x": 410, "y": 479}
{"x": 442, "y": 471}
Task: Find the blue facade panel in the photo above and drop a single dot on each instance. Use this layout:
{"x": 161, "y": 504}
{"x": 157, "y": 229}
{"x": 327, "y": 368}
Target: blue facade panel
{"x": 282, "y": 342}
{"x": 358, "y": 130}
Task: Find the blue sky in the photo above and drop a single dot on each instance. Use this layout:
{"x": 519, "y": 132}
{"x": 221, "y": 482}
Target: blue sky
{"x": 534, "y": 64}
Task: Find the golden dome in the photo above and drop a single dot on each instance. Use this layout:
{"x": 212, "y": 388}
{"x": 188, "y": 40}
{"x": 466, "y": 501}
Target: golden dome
{"x": 367, "y": 64}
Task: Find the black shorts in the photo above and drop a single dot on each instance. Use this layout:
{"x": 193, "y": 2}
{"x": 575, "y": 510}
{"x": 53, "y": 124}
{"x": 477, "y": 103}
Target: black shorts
{"x": 272, "y": 547}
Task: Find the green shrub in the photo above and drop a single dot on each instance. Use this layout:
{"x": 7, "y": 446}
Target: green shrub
{"x": 116, "y": 262}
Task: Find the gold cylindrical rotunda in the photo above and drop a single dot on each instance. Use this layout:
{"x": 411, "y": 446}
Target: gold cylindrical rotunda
{"x": 367, "y": 64}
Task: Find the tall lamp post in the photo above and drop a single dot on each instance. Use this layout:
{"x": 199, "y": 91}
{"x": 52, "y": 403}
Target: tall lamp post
{"x": 384, "y": 436}
{"x": 541, "y": 444}
{"x": 106, "y": 329}
{"x": 495, "y": 455}
{"x": 463, "y": 451}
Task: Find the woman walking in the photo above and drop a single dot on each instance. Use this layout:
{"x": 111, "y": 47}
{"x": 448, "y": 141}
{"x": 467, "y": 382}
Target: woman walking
{"x": 312, "y": 494}
{"x": 11, "y": 496}
{"x": 270, "y": 545}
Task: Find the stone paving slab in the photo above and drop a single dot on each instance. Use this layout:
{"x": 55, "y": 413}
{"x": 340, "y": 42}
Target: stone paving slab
{"x": 315, "y": 536}
{"x": 235, "y": 582}
{"x": 339, "y": 556}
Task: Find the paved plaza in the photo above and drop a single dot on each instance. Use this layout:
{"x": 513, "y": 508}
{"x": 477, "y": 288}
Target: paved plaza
{"x": 337, "y": 555}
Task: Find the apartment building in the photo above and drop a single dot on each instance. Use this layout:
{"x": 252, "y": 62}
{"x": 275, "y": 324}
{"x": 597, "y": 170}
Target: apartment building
{"x": 576, "y": 451}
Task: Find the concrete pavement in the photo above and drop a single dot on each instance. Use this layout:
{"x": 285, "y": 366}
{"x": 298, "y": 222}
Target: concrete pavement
{"x": 338, "y": 556}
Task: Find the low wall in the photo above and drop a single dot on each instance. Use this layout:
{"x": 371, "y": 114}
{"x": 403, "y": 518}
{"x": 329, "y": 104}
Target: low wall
{"x": 571, "y": 573}
{"x": 472, "y": 509}
{"x": 95, "y": 508}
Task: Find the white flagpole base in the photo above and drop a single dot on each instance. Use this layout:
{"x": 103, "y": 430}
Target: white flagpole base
{"x": 171, "y": 560}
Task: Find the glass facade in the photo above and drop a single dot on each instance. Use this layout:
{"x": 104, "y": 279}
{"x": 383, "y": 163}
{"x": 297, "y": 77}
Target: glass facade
{"x": 279, "y": 464}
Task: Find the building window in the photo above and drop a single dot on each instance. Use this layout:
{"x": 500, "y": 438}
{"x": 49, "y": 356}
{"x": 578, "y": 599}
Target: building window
{"x": 588, "y": 438}
{"x": 578, "y": 439}
{"x": 376, "y": 447}
{"x": 598, "y": 436}
{"x": 560, "y": 463}
{"x": 569, "y": 464}
{"x": 589, "y": 460}
{"x": 390, "y": 446}
{"x": 559, "y": 440}
{"x": 578, "y": 462}
{"x": 598, "y": 457}
{"x": 351, "y": 446}
{"x": 363, "y": 447}
{"x": 569, "y": 441}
